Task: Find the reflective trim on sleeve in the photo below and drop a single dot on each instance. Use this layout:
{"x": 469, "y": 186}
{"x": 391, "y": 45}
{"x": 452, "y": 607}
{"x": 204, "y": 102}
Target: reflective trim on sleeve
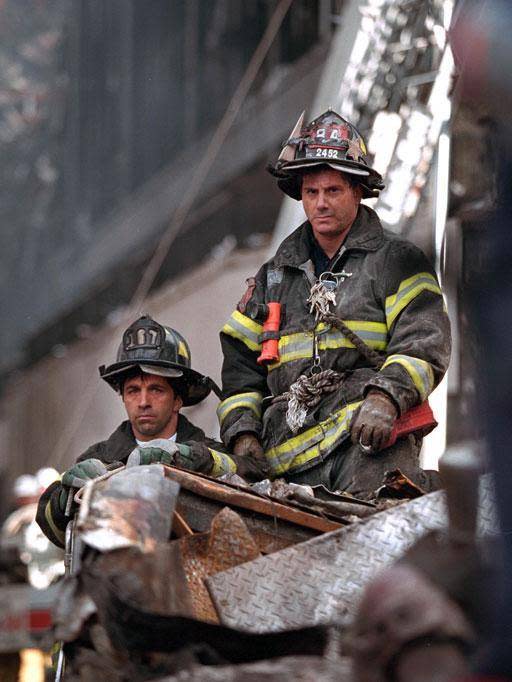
{"x": 300, "y": 345}
{"x": 420, "y": 372}
{"x": 59, "y": 534}
{"x": 251, "y": 401}
{"x": 409, "y": 289}
{"x": 222, "y": 463}
{"x": 246, "y": 330}
{"x": 313, "y": 443}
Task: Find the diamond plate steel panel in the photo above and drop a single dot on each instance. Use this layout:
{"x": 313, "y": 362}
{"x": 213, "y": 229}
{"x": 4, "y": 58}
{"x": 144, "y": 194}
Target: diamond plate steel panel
{"x": 320, "y": 581}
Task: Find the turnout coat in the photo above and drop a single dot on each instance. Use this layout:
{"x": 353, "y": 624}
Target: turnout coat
{"x": 387, "y": 293}
{"x": 207, "y": 458}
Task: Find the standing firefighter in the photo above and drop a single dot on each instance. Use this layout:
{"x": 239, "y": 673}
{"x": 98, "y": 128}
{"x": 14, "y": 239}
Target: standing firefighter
{"x": 153, "y": 375}
{"x": 339, "y": 334}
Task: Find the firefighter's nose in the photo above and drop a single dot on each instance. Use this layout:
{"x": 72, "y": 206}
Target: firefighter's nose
{"x": 144, "y": 399}
{"x": 321, "y": 202}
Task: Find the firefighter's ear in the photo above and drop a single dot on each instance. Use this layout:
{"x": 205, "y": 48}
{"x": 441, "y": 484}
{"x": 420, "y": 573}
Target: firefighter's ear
{"x": 358, "y": 191}
{"x": 178, "y": 403}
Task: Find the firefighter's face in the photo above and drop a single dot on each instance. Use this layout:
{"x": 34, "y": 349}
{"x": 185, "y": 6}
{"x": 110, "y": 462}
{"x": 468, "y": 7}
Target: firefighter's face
{"x": 152, "y": 406}
{"x": 330, "y": 202}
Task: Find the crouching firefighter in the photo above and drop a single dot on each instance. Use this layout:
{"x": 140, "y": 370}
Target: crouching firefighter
{"x": 339, "y": 335}
{"x": 154, "y": 378}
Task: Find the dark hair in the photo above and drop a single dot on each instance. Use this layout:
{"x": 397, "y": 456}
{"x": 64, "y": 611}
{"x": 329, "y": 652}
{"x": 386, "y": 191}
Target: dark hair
{"x": 136, "y": 372}
{"x": 353, "y": 180}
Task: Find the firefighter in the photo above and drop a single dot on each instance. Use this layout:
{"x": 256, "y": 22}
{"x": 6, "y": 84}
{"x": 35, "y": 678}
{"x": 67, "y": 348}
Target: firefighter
{"x": 339, "y": 334}
{"x": 154, "y": 377}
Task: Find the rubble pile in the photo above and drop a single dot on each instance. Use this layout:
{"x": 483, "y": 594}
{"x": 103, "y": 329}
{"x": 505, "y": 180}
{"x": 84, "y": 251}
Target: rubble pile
{"x": 173, "y": 575}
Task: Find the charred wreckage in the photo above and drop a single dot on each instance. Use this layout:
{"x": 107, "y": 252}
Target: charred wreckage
{"x": 174, "y": 575}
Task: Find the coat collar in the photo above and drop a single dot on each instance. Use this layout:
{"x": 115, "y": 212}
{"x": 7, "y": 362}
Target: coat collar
{"x": 366, "y": 234}
{"x": 187, "y": 431}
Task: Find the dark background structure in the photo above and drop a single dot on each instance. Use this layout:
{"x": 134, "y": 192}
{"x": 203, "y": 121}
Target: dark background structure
{"x": 105, "y": 107}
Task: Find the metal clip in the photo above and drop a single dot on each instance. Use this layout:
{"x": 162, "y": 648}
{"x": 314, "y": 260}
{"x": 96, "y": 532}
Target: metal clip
{"x": 342, "y": 276}
{"x": 316, "y": 368}
{"x": 330, "y": 280}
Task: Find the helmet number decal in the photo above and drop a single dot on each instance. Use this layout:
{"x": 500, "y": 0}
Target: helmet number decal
{"x": 141, "y": 337}
{"x": 327, "y": 153}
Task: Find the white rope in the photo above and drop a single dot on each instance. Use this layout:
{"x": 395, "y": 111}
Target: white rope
{"x": 305, "y": 394}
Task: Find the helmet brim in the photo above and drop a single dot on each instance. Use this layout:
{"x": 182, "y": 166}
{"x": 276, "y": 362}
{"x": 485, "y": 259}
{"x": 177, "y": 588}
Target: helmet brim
{"x": 290, "y": 174}
{"x": 192, "y": 386}
{"x": 342, "y": 166}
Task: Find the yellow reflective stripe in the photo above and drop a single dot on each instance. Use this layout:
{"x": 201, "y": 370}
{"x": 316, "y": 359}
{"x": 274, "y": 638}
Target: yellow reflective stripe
{"x": 409, "y": 289}
{"x": 300, "y": 345}
{"x": 294, "y": 347}
{"x": 246, "y": 330}
{"x": 420, "y": 372}
{"x": 182, "y": 350}
{"x": 313, "y": 442}
{"x": 58, "y": 533}
{"x": 251, "y": 401}
{"x": 374, "y": 334}
{"x": 222, "y": 463}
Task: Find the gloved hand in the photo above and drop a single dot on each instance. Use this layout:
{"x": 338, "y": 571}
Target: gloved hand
{"x": 164, "y": 451}
{"x": 251, "y": 461}
{"x": 77, "y": 476}
{"x": 374, "y": 422}
{"x": 81, "y": 472}
{"x": 157, "y": 451}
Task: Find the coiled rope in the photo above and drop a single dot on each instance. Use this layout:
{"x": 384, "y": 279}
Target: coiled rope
{"x": 307, "y": 391}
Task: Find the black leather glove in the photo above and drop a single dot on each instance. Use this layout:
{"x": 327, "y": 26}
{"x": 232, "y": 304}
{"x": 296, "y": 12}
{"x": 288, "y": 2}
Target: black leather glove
{"x": 251, "y": 462}
{"x": 374, "y": 422}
